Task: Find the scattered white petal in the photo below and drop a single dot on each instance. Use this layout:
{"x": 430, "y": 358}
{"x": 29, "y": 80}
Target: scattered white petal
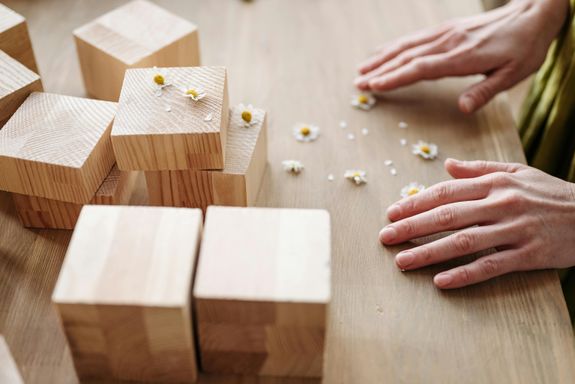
{"x": 158, "y": 92}
{"x": 292, "y": 166}
{"x": 411, "y": 189}
{"x": 426, "y": 150}
{"x": 330, "y": 177}
{"x": 248, "y": 115}
{"x": 364, "y": 101}
{"x": 393, "y": 171}
{"x": 364, "y": 131}
{"x": 167, "y": 108}
{"x": 208, "y": 117}
{"x": 403, "y": 124}
{"x": 350, "y": 136}
{"x": 305, "y": 132}
{"x": 356, "y": 175}
{"x": 343, "y": 124}
{"x": 403, "y": 142}
{"x": 388, "y": 162}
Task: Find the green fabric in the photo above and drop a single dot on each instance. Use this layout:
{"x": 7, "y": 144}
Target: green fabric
{"x": 547, "y": 123}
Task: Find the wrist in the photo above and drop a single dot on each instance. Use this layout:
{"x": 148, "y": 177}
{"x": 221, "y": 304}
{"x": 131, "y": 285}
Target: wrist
{"x": 552, "y": 12}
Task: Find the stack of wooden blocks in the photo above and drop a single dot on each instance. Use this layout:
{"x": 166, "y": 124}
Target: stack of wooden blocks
{"x": 261, "y": 293}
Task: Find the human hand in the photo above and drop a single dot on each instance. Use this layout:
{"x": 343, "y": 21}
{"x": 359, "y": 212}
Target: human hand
{"x": 527, "y": 214}
{"x": 506, "y": 44}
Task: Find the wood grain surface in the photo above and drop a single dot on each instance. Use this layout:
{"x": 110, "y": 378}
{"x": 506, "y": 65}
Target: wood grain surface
{"x": 9, "y": 372}
{"x": 15, "y": 39}
{"x": 296, "y": 59}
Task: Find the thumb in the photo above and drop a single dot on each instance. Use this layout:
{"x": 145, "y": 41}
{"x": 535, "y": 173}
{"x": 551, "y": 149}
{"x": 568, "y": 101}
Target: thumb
{"x": 466, "y": 169}
{"x": 479, "y": 94}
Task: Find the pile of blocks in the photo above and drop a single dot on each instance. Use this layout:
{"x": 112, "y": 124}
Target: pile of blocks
{"x": 127, "y": 298}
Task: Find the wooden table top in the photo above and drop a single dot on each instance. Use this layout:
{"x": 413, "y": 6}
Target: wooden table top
{"x": 297, "y": 60}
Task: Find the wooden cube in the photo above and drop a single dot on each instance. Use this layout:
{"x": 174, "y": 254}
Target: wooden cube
{"x": 170, "y": 131}
{"x": 16, "y": 83}
{"x": 124, "y": 293}
{"x": 57, "y": 147}
{"x": 39, "y": 212}
{"x": 136, "y": 35}
{"x": 262, "y": 291}
{"x": 14, "y": 38}
{"x": 9, "y": 372}
{"x": 236, "y": 185}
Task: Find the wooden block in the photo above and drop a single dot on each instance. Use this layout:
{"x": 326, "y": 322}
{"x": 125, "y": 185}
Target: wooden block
{"x": 14, "y": 38}
{"x": 57, "y": 147}
{"x": 262, "y": 291}
{"x": 123, "y": 294}
{"x": 9, "y": 372}
{"x": 39, "y": 212}
{"x": 236, "y": 185}
{"x": 148, "y": 137}
{"x": 16, "y": 83}
{"x": 136, "y": 35}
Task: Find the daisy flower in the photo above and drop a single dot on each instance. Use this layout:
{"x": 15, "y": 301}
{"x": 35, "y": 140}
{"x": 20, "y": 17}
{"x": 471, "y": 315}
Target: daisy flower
{"x": 194, "y": 93}
{"x": 426, "y": 150}
{"x": 356, "y": 175}
{"x": 363, "y": 101}
{"x": 412, "y": 189}
{"x": 292, "y": 166}
{"x": 306, "y": 132}
{"x": 247, "y": 115}
{"x": 161, "y": 78}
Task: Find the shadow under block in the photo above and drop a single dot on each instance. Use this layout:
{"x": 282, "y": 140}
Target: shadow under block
{"x": 262, "y": 291}
{"x": 14, "y": 38}
{"x": 57, "y": 147}
{"x": 136, "y": 35}
{"x": 236, "y": 185}
{"x": 9, "y": 373}
{"x": 16, "y": 83}
{"x": 146, "y": 136}
{"x": 38, "y": 212}
{"x": 124, "y": 293}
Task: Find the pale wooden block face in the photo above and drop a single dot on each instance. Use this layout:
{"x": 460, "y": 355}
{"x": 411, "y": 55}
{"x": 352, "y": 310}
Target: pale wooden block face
{"x": 14, "y": 38}
{"x": 9, "y": 372}
{"x": 16, "y": 83}
{"x": 57, "y": 147}
{"x": 147, "y": 137}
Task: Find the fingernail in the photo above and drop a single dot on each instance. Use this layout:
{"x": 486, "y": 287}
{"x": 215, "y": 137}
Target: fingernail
{"x": 404, "y": 259}
{"x": 468, "y": 104}
{"x": 359, "y": 82}
{"x": 454, "y": 160}
{"x": 393, "y": 212}
{"x": 443, "y": 280}
{"x": 387, "y": 235}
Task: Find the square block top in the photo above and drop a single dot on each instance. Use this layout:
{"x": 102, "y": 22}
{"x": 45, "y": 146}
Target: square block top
{"x": 241, "y": 140}
{"x": 9, "y": 18}
{"x": 57, "y": 147}
{"x": 142, "y": 256}
{"x": 134, "y": 31}
{"x": 13, "y": 75}
{"x": 265, "y": 254}
{"x": 154, "y": 132}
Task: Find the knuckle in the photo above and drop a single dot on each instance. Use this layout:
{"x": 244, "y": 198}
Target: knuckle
{"x": 457, "y": 35}
{"x": 445, "y": 217}
{"x": 513, "y": 199}
{"x": 420, "y": 65}
{"x": 440, "y": 193}
{"x": 407, "y": 205}
{"x": 464, "y": 275}
{"x": 464, "y": 242}
{"x": 425, "y": 255}
{"x": 408, "y": 227}
{"x": 489, "y": 266}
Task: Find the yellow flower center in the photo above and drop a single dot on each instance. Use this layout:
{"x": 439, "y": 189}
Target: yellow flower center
{"x": 363, "y": 99}
{"x": 425, "y": 149}
{"x": 247, "y": 116}
{"x": 192, "y": 92}
{"x": 356, "y": 174}
{"x": 159, "y": 79}
{"x": 305, "y": 131}
{"x": 412, "y": 191}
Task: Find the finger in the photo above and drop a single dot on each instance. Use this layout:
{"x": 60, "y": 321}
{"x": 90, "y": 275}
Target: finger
{"x": 462, "y": 243}
{"x": 445, "y": 218}
{"x": 443, "y": 193}
{"x": 481, "y": 93}
{"x": 482, "y": 269}
{"x": 437, "y": 46}
{"x": 469, "y": 169}
{"x": 393, "y": 49}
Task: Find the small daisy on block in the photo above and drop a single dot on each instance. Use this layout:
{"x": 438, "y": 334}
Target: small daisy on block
{"x": 305, "y": 132}
{"x": 425, "y": 150}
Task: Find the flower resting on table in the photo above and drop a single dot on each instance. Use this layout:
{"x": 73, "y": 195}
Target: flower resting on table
{"x": 194, "y": 93}
{"x": 306, "y": 132}
{"x": 292, "y": 166}
{"x": 248, "y": 115}
{"x": 412, "y": 189}
{"x": 363, "y": 101}
{"x": 426, "y": 150}
{"x": 356, "y": 175}
{"x": 161, "y": 78}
